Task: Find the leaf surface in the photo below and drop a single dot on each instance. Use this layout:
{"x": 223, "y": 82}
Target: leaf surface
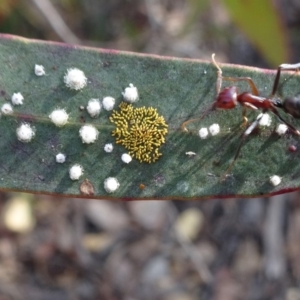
{"x": 179, "y": 89}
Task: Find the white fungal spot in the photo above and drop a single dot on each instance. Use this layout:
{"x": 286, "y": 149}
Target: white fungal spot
{"x": 108, "y": 148}
{"x": 214, "y": 129}
{"x": 6, "y": 109}
{"x": 281, "y": 129}
{"x": 190, "y": 153}
{"x": 25, "y": 133}
{"x": 203, "y": 133}
{"x": 265, "y": 119}
{"x": 111, "y": 184}
{"x": 59, "y": 117}
{"x": 131, "y": 94}
{"x": 75, "y": 79}
{"x": 88, "y": 134}
{"x": 17, "y": 99}
{"x": 275, "y": 180}
{"x": 60, "y": 158}
{"x": 39, "y": 70}
{"x": 76, "y": 172}
{"x": 94, "y": 107}
{"x": 108, "y": 103}
{"x": 126, "y": 158}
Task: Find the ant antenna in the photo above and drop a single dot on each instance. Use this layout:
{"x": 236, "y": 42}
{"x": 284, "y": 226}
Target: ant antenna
{"x": 215, "y": 63}
{"x": 219, "y": 72}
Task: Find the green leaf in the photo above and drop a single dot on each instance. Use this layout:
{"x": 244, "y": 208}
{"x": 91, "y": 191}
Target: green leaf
{"x": 179, "y": 89}
{"x": 262, "y": 24}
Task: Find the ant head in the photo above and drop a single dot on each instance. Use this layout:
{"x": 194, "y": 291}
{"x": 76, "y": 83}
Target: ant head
{"x": 227, "y": 98}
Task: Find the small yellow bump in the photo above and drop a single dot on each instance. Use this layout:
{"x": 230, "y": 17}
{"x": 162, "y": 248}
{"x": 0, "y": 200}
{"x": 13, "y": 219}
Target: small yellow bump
{"x": 140, "y": 130}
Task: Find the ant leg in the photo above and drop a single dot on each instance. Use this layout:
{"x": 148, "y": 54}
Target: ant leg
{"x": 248, "y": 132}
{"x": 291, "y": 127}
{"x": 219, "y": 74}
{"x": 248, "y": 79}
{"x": 245, "y": 122}
{"x": 232, "y": 79}
{"x": 246, "y": 105}
{"x": 184, "y": 124}
{"x": 243, "y": 137}
{"x": 245, "y": 119}
{"x": 283, "y": 67}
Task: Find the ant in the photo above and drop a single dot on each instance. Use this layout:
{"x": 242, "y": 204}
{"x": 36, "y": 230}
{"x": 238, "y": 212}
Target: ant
{"x": 229, "y": 98}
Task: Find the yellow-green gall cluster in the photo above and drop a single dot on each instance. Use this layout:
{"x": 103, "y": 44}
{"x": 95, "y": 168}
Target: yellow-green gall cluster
{"x": 140, "y": 130}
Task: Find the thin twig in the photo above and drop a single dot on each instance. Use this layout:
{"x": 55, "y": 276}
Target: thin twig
{"x": 56, "y": 21}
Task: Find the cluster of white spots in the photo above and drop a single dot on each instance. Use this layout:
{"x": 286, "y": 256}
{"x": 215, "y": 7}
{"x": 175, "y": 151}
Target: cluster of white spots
{"x": 25, "y": 133}
{"x": 88, "y": 134}
{"x": 59, "y": 117}
{"x": 94, "y": 107}
{"x": 6, "y": 109}
{"x": 39, "y": 70}
{"x": 108, "y": 148}
{"x": 111, "y": 184}
{"x": 60, "y": 158}
{"x": 275, "y": 180}
{"x": 265, "y": 119}
{"x": 75, "y": 79}
{"x": 17, "y": 99}
{"x": 108, "y": 103}
{"x": 131, "y": 94}
{"x": 203, "y": 133}
{"x": 214, "y": 129}
{"x": 76, "y": 172}
{"x": 281, "y": 129}
{"x": 126, "y": 158}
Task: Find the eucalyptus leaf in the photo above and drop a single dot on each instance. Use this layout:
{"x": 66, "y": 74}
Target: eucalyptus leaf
{"x": 179, "y": 89}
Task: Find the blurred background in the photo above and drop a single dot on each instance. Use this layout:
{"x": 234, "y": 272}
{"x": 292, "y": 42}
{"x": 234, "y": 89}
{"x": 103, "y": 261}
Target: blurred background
{"x": 54, "y": 248}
